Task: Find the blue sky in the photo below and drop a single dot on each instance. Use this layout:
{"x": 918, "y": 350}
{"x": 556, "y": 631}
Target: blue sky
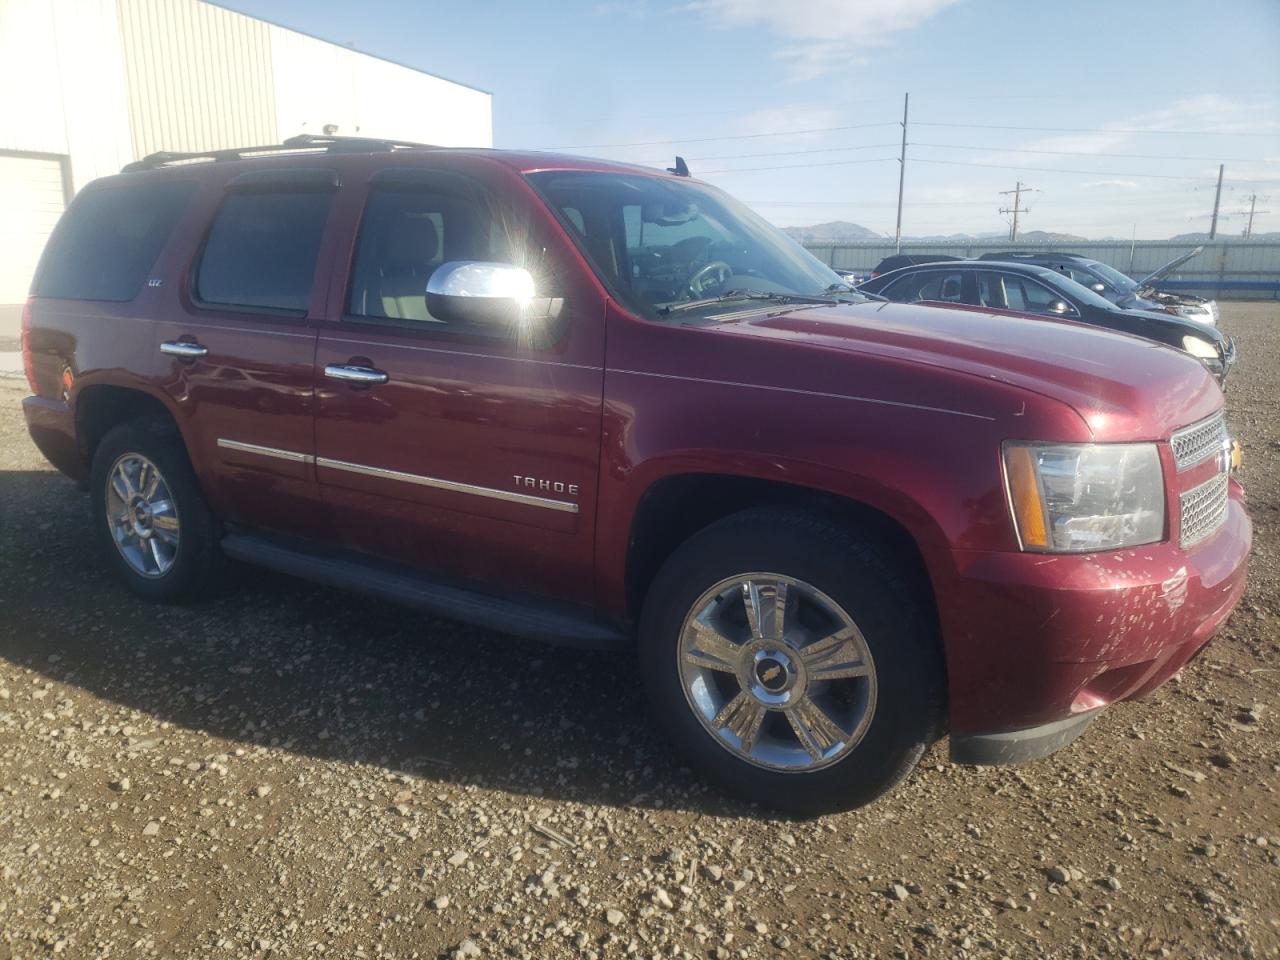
{"x": 1150, "y": 97}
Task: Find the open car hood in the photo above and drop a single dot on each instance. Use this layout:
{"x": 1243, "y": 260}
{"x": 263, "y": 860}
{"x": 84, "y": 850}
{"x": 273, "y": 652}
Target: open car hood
{"x": 1169, "y": 267}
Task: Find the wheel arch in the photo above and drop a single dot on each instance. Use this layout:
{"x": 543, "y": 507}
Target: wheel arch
{"x": 674, "y": 508}
{"x": 101, "y": 406}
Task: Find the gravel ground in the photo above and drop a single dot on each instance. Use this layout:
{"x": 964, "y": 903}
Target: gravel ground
{"x": 289, "y": 771}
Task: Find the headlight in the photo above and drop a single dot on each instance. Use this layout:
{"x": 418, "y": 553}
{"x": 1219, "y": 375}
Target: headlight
{"x": 1200, "y": 348}
{"x": 1083, "y": 497}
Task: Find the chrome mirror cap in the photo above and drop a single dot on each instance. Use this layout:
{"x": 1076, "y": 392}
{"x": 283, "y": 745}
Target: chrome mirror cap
{"x": 481, "y": 279}
{"x": 480, "y": 292}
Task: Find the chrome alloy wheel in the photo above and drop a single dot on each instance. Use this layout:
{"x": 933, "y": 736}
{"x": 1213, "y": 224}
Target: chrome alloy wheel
{"x": 777, "y": 672}
{"x": 142, "y": 515}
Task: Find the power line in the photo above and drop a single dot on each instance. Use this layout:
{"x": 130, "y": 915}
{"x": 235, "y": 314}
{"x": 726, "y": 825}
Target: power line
{"x": 776, "y": 153}
{"x": 947, "y": 97}
{"x": 1043, "y": 202}
{"x": 895, "y": 123}
{"x": 740, "y": 136}
{"x": 796, "y": 166}
{"x": 950, "y": 146}
{"x": 1087, "y": 173}
{"x": 1179, "y": 133}
{"x": 1082, "y": 153}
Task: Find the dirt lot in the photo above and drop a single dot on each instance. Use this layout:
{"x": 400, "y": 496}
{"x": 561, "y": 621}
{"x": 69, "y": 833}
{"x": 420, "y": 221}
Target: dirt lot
{"x": 289, "y": 771}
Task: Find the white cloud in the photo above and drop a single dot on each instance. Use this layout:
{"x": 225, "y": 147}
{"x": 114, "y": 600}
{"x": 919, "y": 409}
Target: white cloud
{"x": 1109, "y": 184}
{"x": 824, "y": 34}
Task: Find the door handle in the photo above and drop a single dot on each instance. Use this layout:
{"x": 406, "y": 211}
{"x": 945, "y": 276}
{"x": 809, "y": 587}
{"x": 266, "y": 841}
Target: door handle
{"x": 355, "y": 374}
{"x": 183, "y": 348}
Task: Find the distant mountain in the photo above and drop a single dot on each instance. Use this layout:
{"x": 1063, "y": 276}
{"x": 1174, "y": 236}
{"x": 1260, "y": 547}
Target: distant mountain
{"x": 837, "y": 231}
{"x": 844, "y": 231}
{"x": 1044, "y": 236}
{"x": 1203, "y": 237}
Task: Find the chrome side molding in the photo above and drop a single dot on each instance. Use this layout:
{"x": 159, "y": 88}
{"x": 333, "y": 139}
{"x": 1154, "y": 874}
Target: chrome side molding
{"x": 265, "y": 451}
{"x": 565, "y": 506}
{"x": 382, "y": 473}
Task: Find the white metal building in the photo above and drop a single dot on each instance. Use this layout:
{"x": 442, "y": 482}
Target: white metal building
{"x": 86, "y": 86}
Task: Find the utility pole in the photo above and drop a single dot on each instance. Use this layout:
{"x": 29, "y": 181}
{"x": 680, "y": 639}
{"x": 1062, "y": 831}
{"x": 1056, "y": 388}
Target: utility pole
{"x": 902, "y": 172}
{"x": 1217, "y": 199}
{"x": 1253, "y": 210}
{"x": 1017, "y": 207}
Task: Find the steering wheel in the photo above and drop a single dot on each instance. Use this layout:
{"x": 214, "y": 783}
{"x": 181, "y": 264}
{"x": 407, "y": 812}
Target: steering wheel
{"x": 715, "y": 273}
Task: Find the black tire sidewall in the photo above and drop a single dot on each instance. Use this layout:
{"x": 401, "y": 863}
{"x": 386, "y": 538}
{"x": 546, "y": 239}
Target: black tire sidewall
{"x": 864, "y": 579}
{"x": 159, "y": 443}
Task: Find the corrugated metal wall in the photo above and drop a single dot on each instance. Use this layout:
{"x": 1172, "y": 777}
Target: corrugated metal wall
{"x": 198, "y": 77}
{"x": 62, "y": 88}
{"x": 1226, "y": 268}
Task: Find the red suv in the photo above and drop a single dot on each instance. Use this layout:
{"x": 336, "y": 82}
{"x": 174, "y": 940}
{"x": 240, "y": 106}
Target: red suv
{"x": 610, "y": 406}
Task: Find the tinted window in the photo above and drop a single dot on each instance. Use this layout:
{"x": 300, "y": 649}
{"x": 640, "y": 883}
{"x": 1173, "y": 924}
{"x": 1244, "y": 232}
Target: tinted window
{"x": 1009, "y": 291}
{"x": 947, "y": 286}
{"x": 409, "y": 230}
{"x": 262, "y": 249}
{"x": 108, "y": 240}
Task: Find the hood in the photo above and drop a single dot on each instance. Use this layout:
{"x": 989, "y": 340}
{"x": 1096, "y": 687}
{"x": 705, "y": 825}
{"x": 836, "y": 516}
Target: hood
{"x": 1170, "y": 267}
{"x": 1122, "y": 386}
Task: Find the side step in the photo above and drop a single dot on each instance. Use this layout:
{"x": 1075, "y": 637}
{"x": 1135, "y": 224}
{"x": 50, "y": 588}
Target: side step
{"x": 536, "y": 619}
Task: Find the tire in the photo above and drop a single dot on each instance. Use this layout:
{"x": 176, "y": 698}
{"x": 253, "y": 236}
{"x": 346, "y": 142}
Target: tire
{"x": 887, "y": 710}
{"x": 184, "y": 560}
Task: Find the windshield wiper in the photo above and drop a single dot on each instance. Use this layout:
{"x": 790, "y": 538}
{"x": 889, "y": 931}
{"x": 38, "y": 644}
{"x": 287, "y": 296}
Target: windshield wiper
{"x": 770, "y": 295}
{"x": 850, "y": 288}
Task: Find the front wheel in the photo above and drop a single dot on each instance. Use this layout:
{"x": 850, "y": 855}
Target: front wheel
{"x": 791, "y": 662}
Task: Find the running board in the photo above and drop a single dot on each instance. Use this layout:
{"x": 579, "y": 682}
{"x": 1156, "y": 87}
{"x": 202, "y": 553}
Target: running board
{"x": 543, "y": 620}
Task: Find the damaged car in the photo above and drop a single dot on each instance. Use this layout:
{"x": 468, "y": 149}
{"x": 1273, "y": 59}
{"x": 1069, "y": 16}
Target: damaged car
{"x": 1119, "y": 288}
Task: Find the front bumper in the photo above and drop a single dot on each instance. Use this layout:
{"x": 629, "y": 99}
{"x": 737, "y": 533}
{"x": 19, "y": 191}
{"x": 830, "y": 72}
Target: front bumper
{"x": 1038, "y": 644}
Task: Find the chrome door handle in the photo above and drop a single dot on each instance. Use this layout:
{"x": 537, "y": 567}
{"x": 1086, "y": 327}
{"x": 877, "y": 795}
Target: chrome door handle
{"x": 353, "y": 374}
{"x": 183, "y": 348}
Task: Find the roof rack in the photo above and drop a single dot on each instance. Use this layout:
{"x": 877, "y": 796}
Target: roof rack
{"x": 303, "y": 141}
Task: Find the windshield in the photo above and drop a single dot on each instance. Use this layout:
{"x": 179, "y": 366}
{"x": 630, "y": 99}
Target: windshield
{"x": 1113, "y": 276}
{"x": 667, "y": 246}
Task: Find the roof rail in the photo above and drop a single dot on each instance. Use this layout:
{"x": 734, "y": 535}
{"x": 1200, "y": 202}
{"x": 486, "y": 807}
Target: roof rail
{"x": 303, "y": 141}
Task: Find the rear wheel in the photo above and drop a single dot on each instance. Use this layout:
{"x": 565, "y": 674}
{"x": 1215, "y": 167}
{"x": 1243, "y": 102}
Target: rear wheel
{"x": 789, "y": 660}
{"x": 147, "y": 505}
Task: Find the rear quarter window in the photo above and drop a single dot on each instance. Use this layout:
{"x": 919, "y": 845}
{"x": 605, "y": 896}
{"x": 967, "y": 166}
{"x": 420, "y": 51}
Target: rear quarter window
{"x": 108, "y": 240}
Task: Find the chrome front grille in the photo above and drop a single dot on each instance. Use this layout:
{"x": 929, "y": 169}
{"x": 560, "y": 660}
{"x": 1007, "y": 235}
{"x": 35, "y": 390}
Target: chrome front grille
{"x": 1198, "y": 442}
{"x": 1204, "y": 508}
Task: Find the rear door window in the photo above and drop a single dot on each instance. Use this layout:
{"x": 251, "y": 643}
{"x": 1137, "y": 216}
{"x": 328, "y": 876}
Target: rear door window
{"x": 942, "y": 285}
{"x": 261, "y": 251}
{"x": 109, "y": 239}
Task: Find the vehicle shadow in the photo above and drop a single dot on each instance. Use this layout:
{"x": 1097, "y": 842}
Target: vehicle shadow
{"x": 275, "y": 661}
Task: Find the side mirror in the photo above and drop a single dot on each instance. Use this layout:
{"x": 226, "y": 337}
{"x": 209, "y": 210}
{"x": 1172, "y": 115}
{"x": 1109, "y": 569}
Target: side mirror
{"x": 1098, "y": 287}
{"x": 1059, "y": 308}
{"x": 480, "y": 292}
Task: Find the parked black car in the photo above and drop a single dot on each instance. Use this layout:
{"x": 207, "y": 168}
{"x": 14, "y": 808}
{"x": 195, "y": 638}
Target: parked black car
{"x": 1028, "y": 289}
{"x": 900, "y": 260}
{"x": 1119, "y": 288}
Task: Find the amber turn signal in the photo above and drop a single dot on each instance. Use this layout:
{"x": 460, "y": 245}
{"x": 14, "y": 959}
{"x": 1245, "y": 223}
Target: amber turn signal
{"x": 1024, "y": 495}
